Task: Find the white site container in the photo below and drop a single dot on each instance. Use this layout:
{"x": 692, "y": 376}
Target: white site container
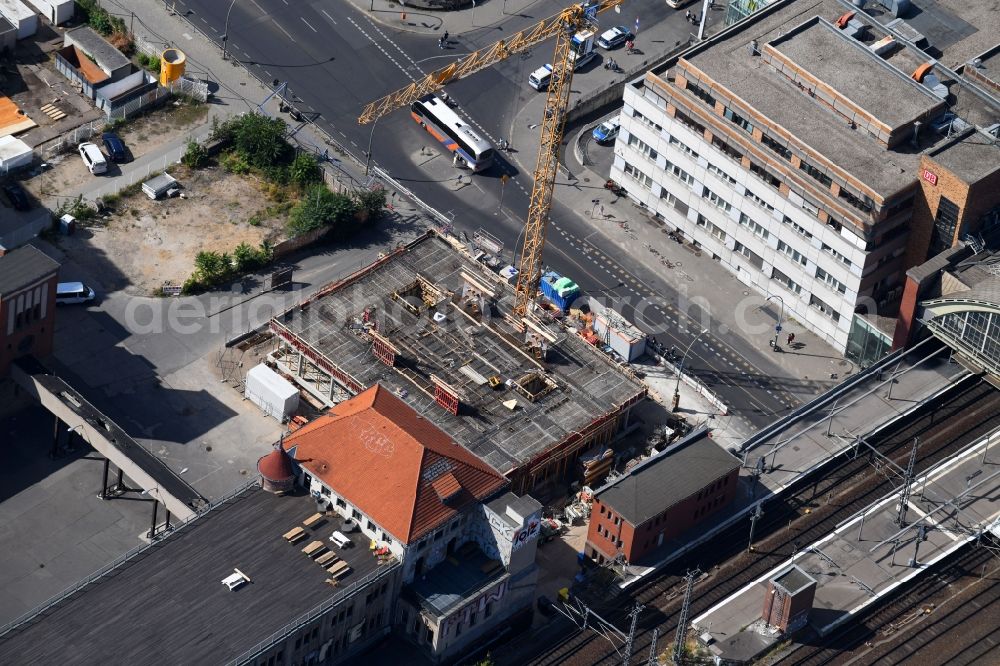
{"x": 20, "y": 16}
{"x": 56, "y": 11}
{"x": 621, "y": 335}
{"x": 275, "y": 396}
{"x": 14, "y": 153}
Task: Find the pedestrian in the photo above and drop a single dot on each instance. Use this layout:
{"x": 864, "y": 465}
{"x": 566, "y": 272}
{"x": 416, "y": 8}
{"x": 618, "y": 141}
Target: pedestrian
{"x": 628, "y": 46}
{"x": 791, "y": 338}
{"x": 441, "y": 43}
{"x": 687, "y": 15}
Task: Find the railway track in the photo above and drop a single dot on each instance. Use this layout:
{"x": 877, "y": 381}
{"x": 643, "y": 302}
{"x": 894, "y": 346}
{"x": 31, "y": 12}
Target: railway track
{"x": 912, "y": 627}
{"x": 809, "y": 512}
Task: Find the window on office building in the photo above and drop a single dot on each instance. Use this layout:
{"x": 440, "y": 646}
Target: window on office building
{"x": 798, "y": 228}
{"x": 823, "y": 307}
{"x": 791, "y": 252}
{"x": 713, "y": 229}
{"x": 758, "y": 200}
{"x": 717, "y": 200}
{"x": 833, "y": 253}
{"x": 775, "y": 147}
{"x": 646, "y": 121}
{"x": 689, "y": 121}
{"x": 815, "y": 173}
{"x": 721, "y": 174}
{"x": 727, "y": 149}
{"x": 750, "y": 255}
{"x": 945, "y": 223}
{"x": 753, "y": 226}
{"x": 701, "y": 94}
{"x": 830, "y": 280}
{"x": 679, "y": 173}
{"x": 785, "y": 281}
{"x": 673, "y": 201}
{"x": 638, "y": 175}
{"x": 738, "y": 120}
{"x": 642, "y": 146}
{"x": 683, "y": 147}
{"x": 863, "y": 204}
{"x": 764, "y": 175}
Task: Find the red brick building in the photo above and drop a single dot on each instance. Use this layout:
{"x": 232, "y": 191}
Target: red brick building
{"x": 661, "y": 498}
{"x": 788, "y": 599}
{"x": 28, "y": 279}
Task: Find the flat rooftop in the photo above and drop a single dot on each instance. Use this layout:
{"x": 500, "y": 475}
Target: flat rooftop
{"x": 793, "y": 579}
{"x": 870, "y": 555}
{"x": 669, "y": 477}
{"x": 955, "y": 31}
{"x": 879, "y": 85}
{"x": 855, "y": 72}
{"x": 24, "y": 266}
{"x": 451, "y": 582}
{"x": 972, "y": 156}
{"x": 98, "y": 48}
{"x": 172, "y": 594}
{"x": 421, "y": 301}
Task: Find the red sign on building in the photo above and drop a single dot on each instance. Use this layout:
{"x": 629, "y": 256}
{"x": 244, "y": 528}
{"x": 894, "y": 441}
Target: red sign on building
{"x": 929, "y": 176}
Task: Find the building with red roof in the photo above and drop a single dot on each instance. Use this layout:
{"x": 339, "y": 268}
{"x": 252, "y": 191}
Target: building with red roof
{"x": 466, "y": 545}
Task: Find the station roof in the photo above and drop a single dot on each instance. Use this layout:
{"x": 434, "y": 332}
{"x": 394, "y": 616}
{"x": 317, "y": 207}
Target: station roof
{"x": 421, "y": 301}
{"x": 172, "y": 595}
{"x": 393, "y": 464}
{"x": 667, "y": 478}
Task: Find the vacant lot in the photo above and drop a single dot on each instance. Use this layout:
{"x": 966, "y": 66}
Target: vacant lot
{"x": 152, "y": 242}
{"x": 142, "y": 136}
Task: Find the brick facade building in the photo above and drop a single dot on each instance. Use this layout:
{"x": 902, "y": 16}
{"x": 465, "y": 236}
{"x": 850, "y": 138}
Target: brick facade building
{"x": 28, "y": 279}
{"x": 661, "y": 498}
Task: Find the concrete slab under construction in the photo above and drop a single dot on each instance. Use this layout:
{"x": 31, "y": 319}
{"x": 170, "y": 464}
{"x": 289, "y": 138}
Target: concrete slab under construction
{"x": 876, "y": 551}
{"x": 806, "y": 440}
{"x": 435, "y": 327}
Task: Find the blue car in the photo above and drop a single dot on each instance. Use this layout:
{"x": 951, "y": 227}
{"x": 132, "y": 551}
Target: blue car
{"x": 607, "y": 131}
{"x": 115, "y": 147}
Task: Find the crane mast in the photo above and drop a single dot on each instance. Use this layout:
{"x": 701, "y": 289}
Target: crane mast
{"x": 562, "y": 26}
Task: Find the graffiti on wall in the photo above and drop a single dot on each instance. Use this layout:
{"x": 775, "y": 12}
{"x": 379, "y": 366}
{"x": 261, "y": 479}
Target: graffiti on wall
{"x": 476, "y": 605}
{"x": 526, "y": 533}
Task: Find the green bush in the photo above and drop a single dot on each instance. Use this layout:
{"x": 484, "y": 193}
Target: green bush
{"x": 77, "y": 207}
{"x": 304, "y": 170}
{"x": 234, "y": 163}
{"x": 260, "y": 140}
{"x": 320, "y": 207}
{"x": 212, "y": 268}
{"x": 195, "y": 156}
{"x": 371, "y": 202}
{"x": 99, "y": 19}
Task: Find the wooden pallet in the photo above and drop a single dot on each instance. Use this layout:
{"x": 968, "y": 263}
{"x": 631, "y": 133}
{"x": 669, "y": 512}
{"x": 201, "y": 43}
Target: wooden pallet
{"x": 53, "y": 112}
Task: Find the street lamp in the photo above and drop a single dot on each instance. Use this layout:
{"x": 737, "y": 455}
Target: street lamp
{"x": 781, "y": 316}
{"x": 368, "y": 153}
{"x": 680, "y": 369}
{"x": 225, "y": 30}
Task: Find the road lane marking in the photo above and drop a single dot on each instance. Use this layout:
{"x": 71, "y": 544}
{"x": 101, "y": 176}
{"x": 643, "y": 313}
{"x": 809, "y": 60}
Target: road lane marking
{"x": 278, "y": 25}
{"x": 307, "y": 23}
{"x": 329, "y": 17}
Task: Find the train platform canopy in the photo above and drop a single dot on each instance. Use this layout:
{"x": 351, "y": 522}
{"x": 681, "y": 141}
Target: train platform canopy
{"x": 436, "y": 328}
{"x": 874, "y": 552}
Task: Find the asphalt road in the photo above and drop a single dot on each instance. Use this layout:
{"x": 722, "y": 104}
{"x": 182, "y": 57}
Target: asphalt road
{"x": 335, "y": 60}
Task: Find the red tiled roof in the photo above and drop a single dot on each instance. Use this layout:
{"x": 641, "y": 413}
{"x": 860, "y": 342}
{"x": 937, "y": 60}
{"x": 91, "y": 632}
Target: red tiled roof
{"x": 394, "y": 465}
{"x": 276, "y": 465}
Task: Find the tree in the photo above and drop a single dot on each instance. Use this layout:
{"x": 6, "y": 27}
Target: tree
{"x": 260, "y": 140}
{"x": 371, "y": 203}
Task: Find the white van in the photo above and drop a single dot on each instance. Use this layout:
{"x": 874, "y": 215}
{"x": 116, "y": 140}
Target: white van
{"x": 539, "y": 79}
{"x": 93, "y": 158}
{"x": 341, "y": 540}
{"x": 71, "y": 293}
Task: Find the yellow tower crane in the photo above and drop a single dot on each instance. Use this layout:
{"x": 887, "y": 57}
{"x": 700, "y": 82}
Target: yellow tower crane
{"x": 562, "y": 26}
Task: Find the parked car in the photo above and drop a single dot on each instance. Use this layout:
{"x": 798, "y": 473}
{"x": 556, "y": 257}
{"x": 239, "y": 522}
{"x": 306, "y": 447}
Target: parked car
{"x": 71, "y": 293}
{"x": 607, "y": 131}
{"x": 614, "y": 37}
{"x": 115, "y": 147}
{"x": 93, "y": 158}
{"x": 17, "y": 196}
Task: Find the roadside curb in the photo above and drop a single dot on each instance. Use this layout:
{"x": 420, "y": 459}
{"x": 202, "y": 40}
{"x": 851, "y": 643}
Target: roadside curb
{"x": 454, "y": 21}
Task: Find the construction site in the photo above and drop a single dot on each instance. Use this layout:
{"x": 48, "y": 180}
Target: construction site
{"x": 437, "y": 328}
